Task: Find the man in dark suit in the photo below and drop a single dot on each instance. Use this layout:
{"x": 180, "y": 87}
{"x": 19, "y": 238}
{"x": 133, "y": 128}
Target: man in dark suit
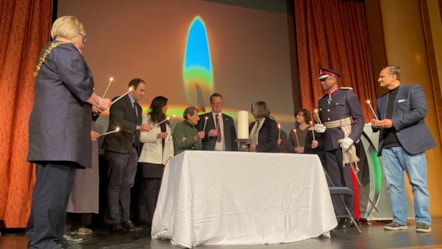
{"x": 121, "y": 155}
{"x": 219, "y": 129}
{"x": 341, "y": 114}
{"x": 403, "y": 139}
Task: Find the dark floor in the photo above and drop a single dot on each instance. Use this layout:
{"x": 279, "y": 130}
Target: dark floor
{"x": 373, "y": 236}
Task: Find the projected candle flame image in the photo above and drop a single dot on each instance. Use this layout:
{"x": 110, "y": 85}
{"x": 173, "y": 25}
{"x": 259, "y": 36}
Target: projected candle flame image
{"x": 197, "y": 65}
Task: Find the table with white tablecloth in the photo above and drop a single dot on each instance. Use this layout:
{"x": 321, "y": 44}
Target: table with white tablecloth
{"x": 228, "y": 198}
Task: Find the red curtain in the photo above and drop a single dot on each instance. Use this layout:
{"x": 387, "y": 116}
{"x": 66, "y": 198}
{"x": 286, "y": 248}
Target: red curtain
{"x": 24, "y": 30}
{"x": 334, "y": 34}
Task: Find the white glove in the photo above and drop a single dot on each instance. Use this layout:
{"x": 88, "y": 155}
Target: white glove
{"x": 320, "y": 128}
{"x": 345, "y": 143}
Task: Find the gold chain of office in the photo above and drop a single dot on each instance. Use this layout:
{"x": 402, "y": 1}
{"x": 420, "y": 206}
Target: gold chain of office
{"x": 45, "y": 54}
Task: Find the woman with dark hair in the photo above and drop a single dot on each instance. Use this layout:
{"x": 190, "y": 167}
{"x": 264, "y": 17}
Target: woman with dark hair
{"x": 304, "y": 139}
{"x": 264, "y": 131}
{"x": 157, "y": 150}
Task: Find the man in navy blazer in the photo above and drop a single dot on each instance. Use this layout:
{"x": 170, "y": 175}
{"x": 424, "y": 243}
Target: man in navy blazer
{"x": 121, "y": 155}
{"x": 224, "y": 138}
{"x": 403, "y": 139}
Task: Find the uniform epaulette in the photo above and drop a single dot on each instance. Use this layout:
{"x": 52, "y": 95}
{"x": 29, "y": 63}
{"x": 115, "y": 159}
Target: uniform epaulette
{"x": 323, "y": 96}
{"x": 346, "y": 88}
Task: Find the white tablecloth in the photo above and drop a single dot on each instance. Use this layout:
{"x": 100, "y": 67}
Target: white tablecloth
{"x": 214, "y": 198}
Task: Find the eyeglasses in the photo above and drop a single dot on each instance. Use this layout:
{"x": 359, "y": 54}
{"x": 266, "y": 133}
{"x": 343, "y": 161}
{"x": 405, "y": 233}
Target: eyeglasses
{"x": 83, "y": 37}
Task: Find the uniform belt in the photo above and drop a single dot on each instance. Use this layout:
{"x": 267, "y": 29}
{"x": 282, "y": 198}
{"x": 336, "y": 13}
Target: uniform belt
{"x": 338, "y": 123}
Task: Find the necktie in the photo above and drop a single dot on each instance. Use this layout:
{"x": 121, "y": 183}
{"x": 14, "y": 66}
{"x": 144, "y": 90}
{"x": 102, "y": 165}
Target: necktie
{"x": 135, "y": 108}
{"x": 218, "y": 129}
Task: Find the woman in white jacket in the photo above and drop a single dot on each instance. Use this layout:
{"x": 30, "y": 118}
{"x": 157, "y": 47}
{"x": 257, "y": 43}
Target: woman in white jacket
{"x": 157, "y": 150}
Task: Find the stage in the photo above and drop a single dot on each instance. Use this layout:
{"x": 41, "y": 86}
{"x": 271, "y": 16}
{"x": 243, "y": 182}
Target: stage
{"x": 372, "y": 237}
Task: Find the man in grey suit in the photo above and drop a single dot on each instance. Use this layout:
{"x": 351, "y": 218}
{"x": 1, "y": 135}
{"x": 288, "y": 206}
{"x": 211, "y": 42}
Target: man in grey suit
{"x": 219, "y": 129}
{"x": 403, "y": 139}
{"x": 121, "y": 155}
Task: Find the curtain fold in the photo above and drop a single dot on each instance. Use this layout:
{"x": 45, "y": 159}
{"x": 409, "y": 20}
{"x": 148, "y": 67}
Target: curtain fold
{"x": 334, "y": 34}
{"x": 24, "y": 30}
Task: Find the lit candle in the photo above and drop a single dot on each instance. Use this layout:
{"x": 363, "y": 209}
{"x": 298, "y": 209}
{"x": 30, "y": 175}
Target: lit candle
{"x": 315, "y": 112}
{"x": 313, "y": 130}
{"x": 163, "y": 121}
{"x": 279, "y": 131}
{"x": 205, "y": 123}
{"x": 108, "y": 86}
{"x": 110, "y": 132}
{"x": 372, "y": 110}
{"x": 296, "y": 135}
{"x": 126, "y": 93}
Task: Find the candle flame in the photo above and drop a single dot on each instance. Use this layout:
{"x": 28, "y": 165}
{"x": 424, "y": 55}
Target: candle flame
{"x": 294, "y": 130}
{"x": 279, "y": 126}
{"x": 130, "y": 88}
{"x": 117, "y": 129}
{"x": 315, "y": 110}
{"x": 111, "y": 79}
{"x": 206, "y": 117}
{"x": 368, "y": 101}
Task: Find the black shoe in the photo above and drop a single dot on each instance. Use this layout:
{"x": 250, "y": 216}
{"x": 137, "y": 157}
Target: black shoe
{"x": 346, "y": 224}
{"x": 129, "y": 226}
{"x": 116, "y": 228}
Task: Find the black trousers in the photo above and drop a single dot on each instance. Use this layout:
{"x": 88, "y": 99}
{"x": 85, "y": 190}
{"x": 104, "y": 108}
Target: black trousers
{"x": 46, "y": 223}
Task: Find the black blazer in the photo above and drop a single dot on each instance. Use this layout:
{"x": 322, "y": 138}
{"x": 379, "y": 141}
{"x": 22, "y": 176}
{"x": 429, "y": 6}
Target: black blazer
{"x": 267, "y": 137}
{"x": 123, "y": 115}
{"x": 229, "y": 132}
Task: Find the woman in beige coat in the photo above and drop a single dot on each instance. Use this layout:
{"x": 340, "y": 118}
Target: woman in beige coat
{"x": 157, "y": 150}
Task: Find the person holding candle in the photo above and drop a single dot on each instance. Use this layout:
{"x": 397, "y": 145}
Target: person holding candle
{"x": 341, "y": 113}
{"x": 185, "y": 134}
{"x": 282, "y": 139}
{"x": 298, "y": 136}
{"x": 219, "y": 128}
{"x": 121, "y": 155}
{"x": 157, "y": 150}
{"x": 264, "y": 131}
{"x": 64, "y": 88}
{"x": 403, "y": 140}
{"x": 304, "y": 139}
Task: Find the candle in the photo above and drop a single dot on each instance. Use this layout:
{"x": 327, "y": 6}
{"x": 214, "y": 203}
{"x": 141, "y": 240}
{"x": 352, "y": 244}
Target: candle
{"x": 110, "y": 132}
{"x": 108, "y": 86}
{"x": 205, "y": 123}
{"x": 313, "y": 130}
{"x": 315, "y": 112}
{"x": 372, "y": 110}
{"x": 243, "y": 125}
{"x": 296, "y": 135}
{"x": 126, "y": 93}
{"x": 279, "y": 131}
{"x": 163, "y": 121}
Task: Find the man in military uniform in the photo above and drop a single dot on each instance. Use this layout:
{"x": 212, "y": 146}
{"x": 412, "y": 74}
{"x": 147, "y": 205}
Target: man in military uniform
{"x": 340, "y": 111}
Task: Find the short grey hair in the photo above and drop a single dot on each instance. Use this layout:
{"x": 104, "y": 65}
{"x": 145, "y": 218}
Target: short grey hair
{"x": 189, "y": 110}
{"x": 394, "y": 70}
{"x": 260, "y": 109}
{"x": 66, "y": 26}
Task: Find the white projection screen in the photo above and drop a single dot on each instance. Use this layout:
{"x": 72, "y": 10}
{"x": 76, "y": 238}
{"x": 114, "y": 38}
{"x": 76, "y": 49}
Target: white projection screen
{"x": 250, "y": 49}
